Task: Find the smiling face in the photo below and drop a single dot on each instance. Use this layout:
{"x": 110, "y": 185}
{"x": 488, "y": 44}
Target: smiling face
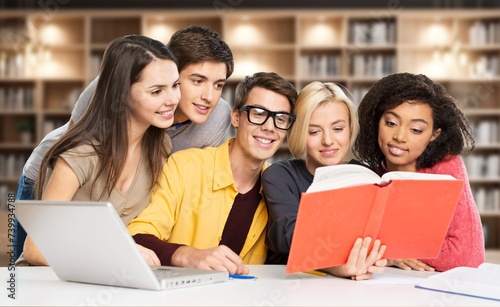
{"x": 155, "y": 96}
{"x": 260, "y": 142}
{"x": 201, "y": 87}
{"x": 328, "y": 135}
{"x": 404, "y": 133}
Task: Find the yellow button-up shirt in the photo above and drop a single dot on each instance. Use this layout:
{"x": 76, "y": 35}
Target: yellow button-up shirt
{"x": 191, "y": 202}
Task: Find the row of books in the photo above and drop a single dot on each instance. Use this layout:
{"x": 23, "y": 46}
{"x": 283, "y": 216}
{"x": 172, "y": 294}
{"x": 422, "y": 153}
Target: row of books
{"x": 491, "y": 231}
{"x": 18, "y": 98}
{"x": 485, "y": 131}
{"x": 11, "y": 165}
{"x": 483, "y": 165}
{"x": 12, "y": 65}
{"x": 358, "y": 92}
{"x": 487, "y": 198}
{"x": 4, "y": 196}
{"x": 486, "y": 66}
{"x": 320, "y": 65}
{"x": 13, "y": 33}
{"x": 373, "y": 65}
{"x": 372, "y": 32}
{"x": 484, "y": 32}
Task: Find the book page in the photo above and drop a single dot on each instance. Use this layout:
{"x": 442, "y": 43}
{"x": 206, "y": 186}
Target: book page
{"x": 342, "y": 175}
{"x": 491, "y": 267}
{"x": 481, "y": 282}
{"x": 479, "y": 277}
{"x": 414, "y": 176}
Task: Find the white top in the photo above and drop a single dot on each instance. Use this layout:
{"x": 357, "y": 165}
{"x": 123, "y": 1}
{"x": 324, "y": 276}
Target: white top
{"x": 393, "y": 287}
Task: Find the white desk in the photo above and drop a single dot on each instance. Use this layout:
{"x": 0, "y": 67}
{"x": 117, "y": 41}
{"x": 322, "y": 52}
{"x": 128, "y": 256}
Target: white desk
{"x": 40, "y": 286}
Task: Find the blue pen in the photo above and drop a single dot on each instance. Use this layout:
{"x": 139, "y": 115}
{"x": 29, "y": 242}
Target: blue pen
{"x": 236, "y": 276}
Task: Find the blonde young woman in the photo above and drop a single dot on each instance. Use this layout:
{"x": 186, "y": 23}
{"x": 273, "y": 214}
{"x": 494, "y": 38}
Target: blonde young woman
{"x": 325, "y": 128}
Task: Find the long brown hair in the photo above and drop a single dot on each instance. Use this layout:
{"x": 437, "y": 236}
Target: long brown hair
{"x": 105, "y": 123}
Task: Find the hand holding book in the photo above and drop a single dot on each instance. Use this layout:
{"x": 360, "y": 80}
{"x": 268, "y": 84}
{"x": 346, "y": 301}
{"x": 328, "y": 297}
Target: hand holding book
{"x": 409, "y": 213}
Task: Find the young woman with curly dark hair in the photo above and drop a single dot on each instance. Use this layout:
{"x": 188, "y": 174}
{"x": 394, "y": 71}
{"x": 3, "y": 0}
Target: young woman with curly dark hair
{"x": 410, "y": 123}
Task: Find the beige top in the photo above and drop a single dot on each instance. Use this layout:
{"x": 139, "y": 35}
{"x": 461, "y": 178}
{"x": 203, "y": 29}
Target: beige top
{"x": 84, "y": 163}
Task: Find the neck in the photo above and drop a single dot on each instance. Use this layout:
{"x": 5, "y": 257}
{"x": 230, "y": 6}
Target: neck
{"x": 246, "y": 172}
{"x": 179, "y": 117}
{"x": 404, "y": 168}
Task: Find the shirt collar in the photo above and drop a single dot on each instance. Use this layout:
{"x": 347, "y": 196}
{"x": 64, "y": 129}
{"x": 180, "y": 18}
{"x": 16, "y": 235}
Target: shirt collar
{"x": 179, "y": 125}
{"x": 223, "y": 176}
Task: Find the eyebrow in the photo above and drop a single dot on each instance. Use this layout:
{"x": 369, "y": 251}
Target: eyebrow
{"x": 205, "y": 77}
{"x": 333, "y": 123}
{"x": 418, "y": 120}
{"x": 262, "y": 107}
{"x": 161, "y": 85}
{"x": 157, "y": 86}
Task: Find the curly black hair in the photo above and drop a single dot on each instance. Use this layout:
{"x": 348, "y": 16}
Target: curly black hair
{"x": 391, "y": 91}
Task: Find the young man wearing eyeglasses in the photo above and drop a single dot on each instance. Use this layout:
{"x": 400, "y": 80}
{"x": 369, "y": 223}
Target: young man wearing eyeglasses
{"x": 207, "y": 210}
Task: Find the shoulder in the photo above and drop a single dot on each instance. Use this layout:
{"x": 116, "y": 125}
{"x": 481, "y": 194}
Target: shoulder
{"x": 283, "y": 164}
{"x": 81, "y": 150}
{"x": 223, "y": 106}
{"x": 82, "y": 156}
{"x": 451, "y": 165}
{"x": 190, "y": 154}
{"x": 195, "y": 155}
{"x": 83, "y": 100}
{"x": 221, "y": 111}
{"x": 49, "y": 140}
{"x": 291, "y": 167}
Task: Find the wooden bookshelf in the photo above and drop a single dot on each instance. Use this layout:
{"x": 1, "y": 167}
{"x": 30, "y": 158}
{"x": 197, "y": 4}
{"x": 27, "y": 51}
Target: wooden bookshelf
{"x": 46, "y": 61}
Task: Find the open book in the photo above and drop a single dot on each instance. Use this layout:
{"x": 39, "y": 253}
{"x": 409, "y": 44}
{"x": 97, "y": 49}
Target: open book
{"x": 345, "y": 175}
{"x": 482, "y": 282}
{"x": 409, "y": 212}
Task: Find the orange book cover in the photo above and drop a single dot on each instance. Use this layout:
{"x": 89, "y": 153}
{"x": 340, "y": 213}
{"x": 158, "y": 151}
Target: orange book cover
{"x": 410, "y": 216}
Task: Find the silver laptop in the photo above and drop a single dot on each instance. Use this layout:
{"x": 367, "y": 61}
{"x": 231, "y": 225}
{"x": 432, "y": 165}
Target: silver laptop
{"x": 87, "y": 242}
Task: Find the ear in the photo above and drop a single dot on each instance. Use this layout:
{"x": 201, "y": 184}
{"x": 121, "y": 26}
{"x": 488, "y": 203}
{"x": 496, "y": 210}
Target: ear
{"x": 435, "y": 134}
{"x": 235, "y": 118}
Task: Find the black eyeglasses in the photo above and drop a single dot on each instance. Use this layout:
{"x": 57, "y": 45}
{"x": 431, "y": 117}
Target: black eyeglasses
{"x": 258, "y": 116}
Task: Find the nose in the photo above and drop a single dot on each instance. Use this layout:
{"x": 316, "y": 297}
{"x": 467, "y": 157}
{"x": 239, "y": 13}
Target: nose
{"x": 173, "y": 97}
{"x": 327, "y": 138}
{"x": 208, "y": 94}
{"x": 400, "y": 135}
{"x": 268, "y": 124}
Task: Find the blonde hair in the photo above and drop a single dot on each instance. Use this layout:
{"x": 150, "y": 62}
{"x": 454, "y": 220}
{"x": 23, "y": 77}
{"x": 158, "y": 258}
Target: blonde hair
{"x": 312, "y": 96}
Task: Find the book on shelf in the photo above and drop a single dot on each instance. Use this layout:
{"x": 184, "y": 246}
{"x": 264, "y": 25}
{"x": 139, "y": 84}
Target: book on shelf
{"x": 409, "y": 212}
{"x": 481, "y": 282}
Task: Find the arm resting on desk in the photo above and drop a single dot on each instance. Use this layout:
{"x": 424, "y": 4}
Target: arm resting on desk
{"x": 164, "y": 250}
{"x": 32, "y": 254}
